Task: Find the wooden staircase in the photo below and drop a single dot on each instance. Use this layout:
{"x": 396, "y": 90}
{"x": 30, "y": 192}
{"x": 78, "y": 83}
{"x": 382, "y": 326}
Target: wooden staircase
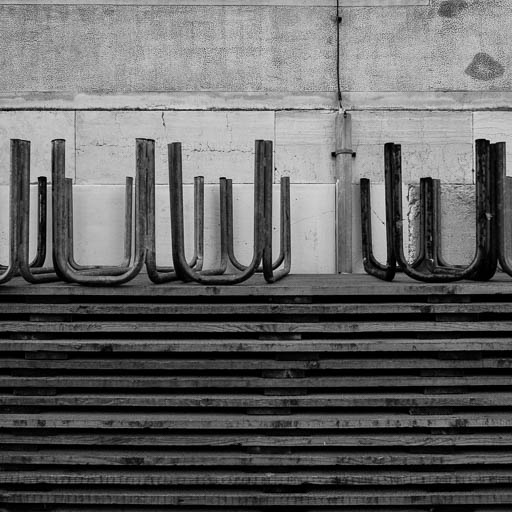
{"x": 318, "y": 393}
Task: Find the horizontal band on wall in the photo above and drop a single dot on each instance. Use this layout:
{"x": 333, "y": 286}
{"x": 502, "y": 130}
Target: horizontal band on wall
{"x": 298, "y": 3}
{"x": 217, "y": 100}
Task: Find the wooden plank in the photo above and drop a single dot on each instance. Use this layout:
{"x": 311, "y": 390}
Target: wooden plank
{"x": 239, "y": 382}
{"x": 240, "y": 421}
{"x": 251, "y": 498}
{"x": 255, "y": 327}
{"x": 316, "y": 345}
{"x": 237, "y": 478}
{"x": 350, "y": 285}
{"x": 252, "y": 364}
{"x": 368, "y": 439}
{"x": 388, "y": 400}
{"x": 126, "y": 309}
{"x": 234, "y": 458}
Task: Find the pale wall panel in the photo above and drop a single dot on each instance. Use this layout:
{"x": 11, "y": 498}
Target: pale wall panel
{"x": 99, "y": 228}
{"x": 214, "y": 144}
{"x": 39, "y": 128}
{"x": 102, "y": 48}
{"x": 436, "y": 144}
{"x": 497, "y": 127}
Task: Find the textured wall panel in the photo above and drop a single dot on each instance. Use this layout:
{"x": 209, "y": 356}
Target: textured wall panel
{"x": 451, "y": 45}
{"x": 214, "y": 144}
{"x": 123, "y": 49}
{"x": 39, "y": 128}
{"x": 99, "y": 212}
{"x": 436, "y": 144}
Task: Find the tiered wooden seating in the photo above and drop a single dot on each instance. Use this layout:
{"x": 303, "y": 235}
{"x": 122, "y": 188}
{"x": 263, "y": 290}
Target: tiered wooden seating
{"x": 313, "y": 394}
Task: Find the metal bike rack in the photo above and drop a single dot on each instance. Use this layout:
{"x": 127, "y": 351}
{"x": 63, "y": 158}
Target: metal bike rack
{"x": 99, "y": 276}
{"x": 176, "y": 194}
{"x": 158, "y": 274}
{"x": 427, "y": 266}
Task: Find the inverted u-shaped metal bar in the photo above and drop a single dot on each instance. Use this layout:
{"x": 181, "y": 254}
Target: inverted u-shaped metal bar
{"x": 8, "y": 272}
{"x": 268, "y": 266}
{"x": 372, "y": 266}
{"x": 60, "y": 201}
{"x": 156, "y": 273}
{"x": 503, "y": 206}
{"x": 393, "y": 165}
{"x": 233, "y": 260}
{"x": 22, "y": 166}
{"x": 42, "y": 211}
{"x": 176, "y": 195}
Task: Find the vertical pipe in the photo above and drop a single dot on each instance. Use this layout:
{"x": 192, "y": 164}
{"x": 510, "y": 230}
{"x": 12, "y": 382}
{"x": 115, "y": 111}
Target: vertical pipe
{"x": 343, "y": 129}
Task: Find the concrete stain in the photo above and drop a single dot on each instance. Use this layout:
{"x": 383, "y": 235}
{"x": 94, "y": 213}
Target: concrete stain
{"x": 451, "y": 8}
{"x": 484, "y": 67}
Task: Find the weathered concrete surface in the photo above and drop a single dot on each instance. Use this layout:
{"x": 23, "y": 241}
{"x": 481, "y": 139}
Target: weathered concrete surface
{"x": 457, "y": 220}
{"x": 214, "y": 144}
{"x": 497, "y": 127}
{"x": 436, "y": 144}
{"x": 175, "y": 48}
{"x": 39, "y": 128}
{"x": 428, "y": 48}
{"x": 449, "y": 45}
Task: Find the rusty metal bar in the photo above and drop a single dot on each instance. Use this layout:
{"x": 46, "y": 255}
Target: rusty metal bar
{"x": 486, "y": 160}
{"x": 146, "y": 148}
{"x": 42, "y": 208}
{"x": 176, "y": 193}
{"x": 224, "y": 258}
{"x": 230, "y": 245}
{"x": 268, "y": 273}
{"x": 22, "y": 163}
{"x": 503, "y": 207}
{"x": 393, "y": 164}
{"x": 93, "y": 277}
{"x": 371, "y": 265}
{"x": 8, "y": 271}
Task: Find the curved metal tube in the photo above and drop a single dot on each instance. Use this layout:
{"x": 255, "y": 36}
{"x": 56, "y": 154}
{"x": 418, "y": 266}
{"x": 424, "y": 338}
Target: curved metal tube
{"x": 176, "y": 193}
{"x": 156, "y": 273}
{"x": 42, "y": 207}
{"x": 503, "y": 208}
{"x": 286, "y": 248}
{"x": 233, "y": 260}
{"x": 371, "y": 265}
{"x": 393, "y": 164}
{"x": 486, "y": 161}
{"x": 22, "y": 169}
{"x": 8, "y": 272}
{"x": 223, "y": 262}
{"x": 60, "y": 234}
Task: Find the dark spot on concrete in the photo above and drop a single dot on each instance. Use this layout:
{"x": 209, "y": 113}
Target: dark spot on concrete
{"x": 484, "y": 67}
{"x": 451, "y": 8}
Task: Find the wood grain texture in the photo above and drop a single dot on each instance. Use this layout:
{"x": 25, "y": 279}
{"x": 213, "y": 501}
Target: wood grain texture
{"x": 298, "y": 400}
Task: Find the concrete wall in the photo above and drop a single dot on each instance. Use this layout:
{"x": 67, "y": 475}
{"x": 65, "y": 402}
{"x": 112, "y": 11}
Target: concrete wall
{"x": 428, "y": 75}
